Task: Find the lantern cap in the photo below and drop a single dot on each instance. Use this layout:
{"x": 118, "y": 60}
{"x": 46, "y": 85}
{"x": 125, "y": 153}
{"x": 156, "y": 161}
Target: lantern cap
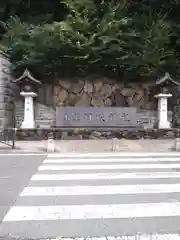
{"x": 167, "y": 79}
{"x": 26, "y": 77}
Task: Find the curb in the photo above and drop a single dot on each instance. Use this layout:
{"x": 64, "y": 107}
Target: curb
{"x": 10, "y": 153}
{"x": 117, "y": 154}
{"x": 127, "y": 237}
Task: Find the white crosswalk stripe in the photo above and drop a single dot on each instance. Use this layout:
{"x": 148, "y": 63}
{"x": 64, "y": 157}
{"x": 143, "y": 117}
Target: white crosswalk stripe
{"x": 84, "y": 195}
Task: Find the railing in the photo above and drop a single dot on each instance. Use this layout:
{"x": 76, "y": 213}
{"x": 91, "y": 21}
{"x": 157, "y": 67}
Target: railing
{"x": 7, "y": 137}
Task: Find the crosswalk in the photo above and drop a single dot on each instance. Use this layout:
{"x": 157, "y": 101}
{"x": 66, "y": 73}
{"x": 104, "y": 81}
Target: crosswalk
{"x": 99, "y": 195}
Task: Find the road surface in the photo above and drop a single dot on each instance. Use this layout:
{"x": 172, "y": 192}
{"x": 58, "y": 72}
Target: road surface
{"x": 15, "y": 174}
{"x": 96, "y": 197}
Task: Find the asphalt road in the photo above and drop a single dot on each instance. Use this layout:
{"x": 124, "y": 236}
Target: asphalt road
{"x": 95, "y": 197}
{"x": 15, "y": 174}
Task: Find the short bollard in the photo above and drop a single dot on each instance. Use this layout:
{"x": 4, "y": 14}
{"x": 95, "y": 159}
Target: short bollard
{"x": 115, "y": 145}
{"x": 176, "y": 146}
{"x": 50, "y": 143}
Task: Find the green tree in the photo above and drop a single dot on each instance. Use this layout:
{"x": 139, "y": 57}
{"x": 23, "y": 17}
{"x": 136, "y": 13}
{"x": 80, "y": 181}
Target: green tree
{"x": 102, "y": 37}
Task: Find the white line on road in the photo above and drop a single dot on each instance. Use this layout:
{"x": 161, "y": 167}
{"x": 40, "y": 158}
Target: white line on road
{"x": 134, "y": 237}
{"x": 120, "y": 159}
{"x": 71, "y": 212}
{"x": 114, "y": 154}
{"x": 108, "y": 166}
{"x": 105, "y": 176}
{"x": 101, "y": 190}
{"x": 22, "y": 154}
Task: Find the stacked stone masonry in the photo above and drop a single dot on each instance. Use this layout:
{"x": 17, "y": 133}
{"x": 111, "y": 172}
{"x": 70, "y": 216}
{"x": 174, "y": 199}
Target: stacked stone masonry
{"x": 98, "y": 93}
{"x": 7, "y": 93}
{"x": 103, "y": 92}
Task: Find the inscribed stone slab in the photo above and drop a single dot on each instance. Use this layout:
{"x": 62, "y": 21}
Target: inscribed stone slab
{"x": 97, "y": 116}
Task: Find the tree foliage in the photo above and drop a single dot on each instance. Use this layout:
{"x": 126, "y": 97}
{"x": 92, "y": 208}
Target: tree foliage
{"x": 127, "y": 40}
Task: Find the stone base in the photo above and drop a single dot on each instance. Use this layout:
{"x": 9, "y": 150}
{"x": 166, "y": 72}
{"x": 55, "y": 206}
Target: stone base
{"x": 33, "y": 134}
{"x": 30, "y": 126}
{"x": 164, "y": 126}
{"x": 82, "y": 134}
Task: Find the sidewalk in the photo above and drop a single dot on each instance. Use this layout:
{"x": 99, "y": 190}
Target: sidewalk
{"x": 84, "y": 146}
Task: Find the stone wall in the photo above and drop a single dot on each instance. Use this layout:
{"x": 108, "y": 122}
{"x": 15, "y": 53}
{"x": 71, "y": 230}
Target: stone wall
{"x": 7, "y": 90}
{"x": 103, "y": 92}
{"x": 98, "y": 93}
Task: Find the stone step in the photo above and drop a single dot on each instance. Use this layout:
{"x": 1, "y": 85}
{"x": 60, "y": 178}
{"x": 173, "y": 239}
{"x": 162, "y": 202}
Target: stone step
{"x": 43, "y": 123}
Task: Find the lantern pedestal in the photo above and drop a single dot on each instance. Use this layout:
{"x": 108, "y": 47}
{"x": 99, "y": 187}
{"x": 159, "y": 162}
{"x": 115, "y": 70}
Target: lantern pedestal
{"x": 163, "y": 122}
{"x": 28, "y": 122}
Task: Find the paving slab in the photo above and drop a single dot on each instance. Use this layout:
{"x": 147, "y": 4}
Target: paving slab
{"x": 109, "y": 145}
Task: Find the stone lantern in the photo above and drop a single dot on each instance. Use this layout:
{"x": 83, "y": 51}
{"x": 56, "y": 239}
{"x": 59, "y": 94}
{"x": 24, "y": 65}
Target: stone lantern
{"x": 165, "y": 83}
{"x": 28, "y": 88}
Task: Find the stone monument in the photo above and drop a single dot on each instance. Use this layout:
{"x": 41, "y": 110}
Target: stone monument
{"x": 28, "y": 85}
{"x": 165, "y": 83}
